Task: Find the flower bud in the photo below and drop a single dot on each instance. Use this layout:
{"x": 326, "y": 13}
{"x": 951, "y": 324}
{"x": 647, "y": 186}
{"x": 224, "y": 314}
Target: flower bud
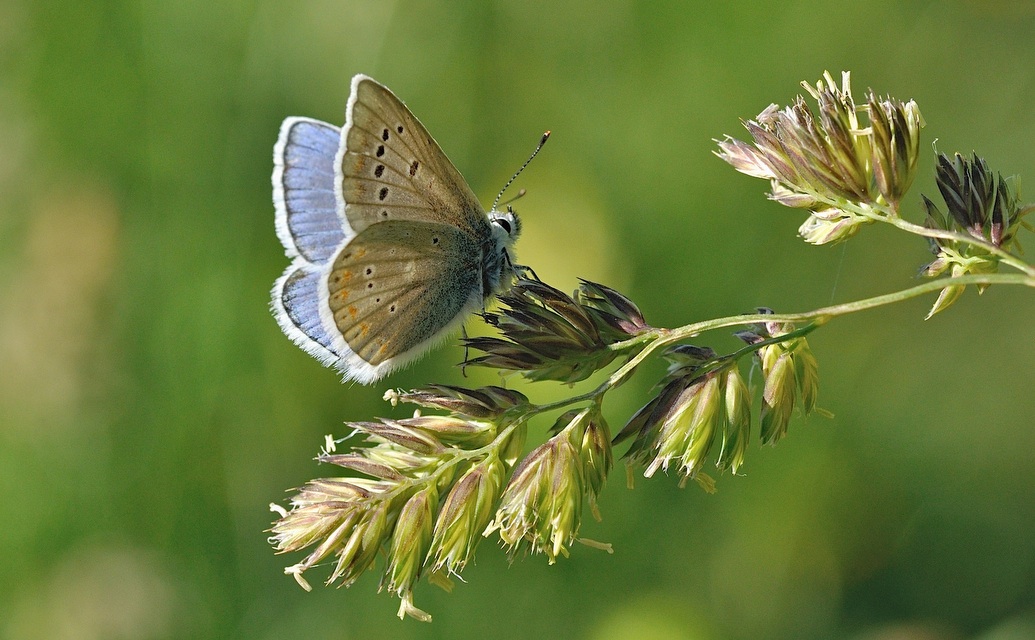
{"x": 687, "y": 430}
{"x": 614, "y": 315}
{"x": 949, "y": 295}
{"x": 791, "y": 372}
{"x": 465, "y": 514}
{"x": 542, "y": 504}
{"x": 596, "y": 455}
{"x": 453, "y": 431}
{"x": 410, "y": 540}
{"x": 777, "y": 397}
{"x": 821, "y": 228}
{"x": 736, "y": 430}
{"x": 359, "y": 549}
{"x": 547, "y": 335}
{"x": 484, "y": 403}
{"x": 806, "y": 372}
{"x": 895, "y": 130}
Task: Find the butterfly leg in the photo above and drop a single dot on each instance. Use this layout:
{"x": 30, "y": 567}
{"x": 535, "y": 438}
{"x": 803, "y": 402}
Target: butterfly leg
{"x": 467, "y": 350}
{"x": 521, "y": 270}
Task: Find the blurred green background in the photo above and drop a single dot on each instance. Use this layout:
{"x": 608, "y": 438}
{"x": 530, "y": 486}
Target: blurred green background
{"x": 150, "y": 408}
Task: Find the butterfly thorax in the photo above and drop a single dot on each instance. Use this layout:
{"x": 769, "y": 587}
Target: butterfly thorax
{"x": 498, "y": 251}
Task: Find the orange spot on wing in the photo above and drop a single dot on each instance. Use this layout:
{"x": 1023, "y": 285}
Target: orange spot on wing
{"x": 361, "y": 252}
{"x": 352, "y": 310}
{"x": 364, "y": 328}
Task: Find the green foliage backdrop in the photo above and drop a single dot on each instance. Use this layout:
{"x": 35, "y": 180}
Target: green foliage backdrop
{"x": 150, "y": 408}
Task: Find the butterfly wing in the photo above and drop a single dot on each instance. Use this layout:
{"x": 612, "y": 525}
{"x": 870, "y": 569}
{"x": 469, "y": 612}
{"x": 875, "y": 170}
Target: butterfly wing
{"x": 386, "y": 237}
{"x": 308, "y": 226}
{"x": 396, "y": 289}
{"x": 304, "y": 189}
{"x": 297, "y": 302}
{"x": 390, "y": 168}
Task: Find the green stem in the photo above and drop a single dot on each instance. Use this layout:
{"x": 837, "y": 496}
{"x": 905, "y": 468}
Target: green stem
{"x": 822, "y": 315}
{"x": 659, "y": 338}
{"x": 1004, "y": 256}
{"x": 889, "y": 214}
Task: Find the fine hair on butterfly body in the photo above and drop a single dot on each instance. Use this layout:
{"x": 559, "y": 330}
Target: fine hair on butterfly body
{"x": 391, "y": 250}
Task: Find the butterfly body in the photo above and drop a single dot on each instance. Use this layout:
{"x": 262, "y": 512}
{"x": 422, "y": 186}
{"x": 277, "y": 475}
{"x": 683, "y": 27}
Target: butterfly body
{"x": 391, "y": 249}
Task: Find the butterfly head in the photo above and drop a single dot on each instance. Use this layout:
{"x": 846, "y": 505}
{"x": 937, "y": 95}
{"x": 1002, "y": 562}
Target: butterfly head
{"x": 506, "y": 227}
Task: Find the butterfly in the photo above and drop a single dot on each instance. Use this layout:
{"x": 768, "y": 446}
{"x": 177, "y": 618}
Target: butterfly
{"x": 391, "y": 250}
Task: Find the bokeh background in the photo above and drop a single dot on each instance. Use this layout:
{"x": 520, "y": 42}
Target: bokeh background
{"x": 150, "y": 408}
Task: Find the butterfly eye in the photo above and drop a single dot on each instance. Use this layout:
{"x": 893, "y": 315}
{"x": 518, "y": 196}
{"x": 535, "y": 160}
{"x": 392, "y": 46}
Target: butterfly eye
{"x": 503, "y": 222}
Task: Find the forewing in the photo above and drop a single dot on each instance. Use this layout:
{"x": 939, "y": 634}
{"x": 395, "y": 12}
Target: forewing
{"x": 399, "y": 287}
{"x": 392, "y": 169}
{"x": 304, "y": 189}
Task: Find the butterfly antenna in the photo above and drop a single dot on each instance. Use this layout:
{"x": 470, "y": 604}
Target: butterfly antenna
{"x": 520, "y": 194}
{"x": 542, "y": 141}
